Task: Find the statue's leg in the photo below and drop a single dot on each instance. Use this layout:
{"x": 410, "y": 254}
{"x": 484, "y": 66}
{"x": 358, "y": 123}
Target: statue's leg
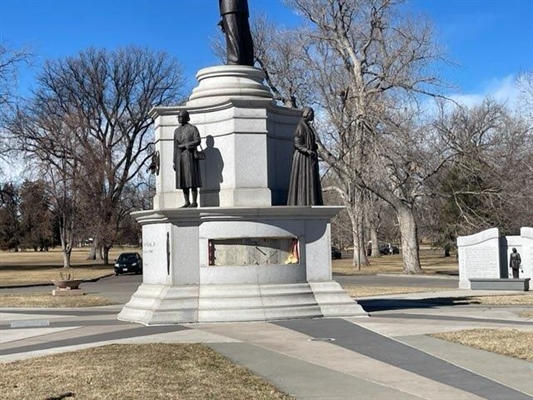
{"x": 233, "y": 50}
{"x": 194, "y": 197}
{"x": 186, "y": 197}
{"x": 247, "y": 47}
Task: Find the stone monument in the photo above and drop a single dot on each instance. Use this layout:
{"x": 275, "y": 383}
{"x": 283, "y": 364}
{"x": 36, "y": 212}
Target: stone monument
{"x": 243, "y": 255}
{"x": 484, "y": 260}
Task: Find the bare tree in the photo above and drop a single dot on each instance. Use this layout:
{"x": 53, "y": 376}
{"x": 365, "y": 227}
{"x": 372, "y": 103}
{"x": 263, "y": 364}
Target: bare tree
{"x": 10, "y": 61}
{"x": 280, "y": 53}
{"x": 54, "y": 148}
{"x": 489, "y": 182}
{"x": 36, "y": 219}
{"x": 63, "y": 176}
{"x": 9, "y": 221}
{"x": 103, "y": 98}
{"x": 379, "y": 221}
{"x": 370, "y": 67}
{"x": 524, "y": 82}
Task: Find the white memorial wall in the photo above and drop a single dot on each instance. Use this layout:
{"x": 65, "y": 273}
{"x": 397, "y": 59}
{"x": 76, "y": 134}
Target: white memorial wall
{"x": 486, "y": 255}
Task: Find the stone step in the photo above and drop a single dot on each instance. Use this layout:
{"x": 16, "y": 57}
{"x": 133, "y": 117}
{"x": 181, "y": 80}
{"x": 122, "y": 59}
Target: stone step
{"x": 499, "y": 284}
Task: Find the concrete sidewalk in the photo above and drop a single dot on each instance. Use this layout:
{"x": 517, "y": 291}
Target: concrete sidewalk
{"x": 384, "y": 356}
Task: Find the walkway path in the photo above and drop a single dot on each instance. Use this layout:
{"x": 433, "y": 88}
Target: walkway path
{"x": 385, "y": 356}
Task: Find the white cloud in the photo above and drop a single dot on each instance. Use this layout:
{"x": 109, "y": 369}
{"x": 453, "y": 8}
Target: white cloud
{"x": 12, "y": 170}
{"x": 502, "y": 90}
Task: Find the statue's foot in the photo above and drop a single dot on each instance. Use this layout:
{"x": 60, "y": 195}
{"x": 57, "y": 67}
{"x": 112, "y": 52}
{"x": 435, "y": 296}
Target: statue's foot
{"x": 186, "y": 205}
{"x": 194, "y": 205}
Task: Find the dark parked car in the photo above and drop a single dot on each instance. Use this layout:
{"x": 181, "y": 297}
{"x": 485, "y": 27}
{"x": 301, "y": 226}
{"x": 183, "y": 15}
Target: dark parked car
{"x": 388, "y": 248}
{"x": 335, "y": 253}
{"x": 129, "y": 262}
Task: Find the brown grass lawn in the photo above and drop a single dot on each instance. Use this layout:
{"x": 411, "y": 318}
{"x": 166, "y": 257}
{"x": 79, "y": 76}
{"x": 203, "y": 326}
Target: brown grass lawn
{"x": 29, "y": 267}
{"x": 366, "y": 291}
{"x": 508, "y": 342}
{"x": 432, "y": 261}
{"x": 46, "y": 300}
{"x": 134, "y": 372}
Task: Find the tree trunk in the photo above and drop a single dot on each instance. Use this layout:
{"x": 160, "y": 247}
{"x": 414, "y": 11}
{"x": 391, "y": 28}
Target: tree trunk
{"x": 356, "y": 260}
{"x": 105, "y": 254}
{"x": 375, "y": 243}
{"x": 371, "y": 219}
{"x": 410, "y": 249}
{"x": 359, "y": 254}
{"x": 360, "y": 208}
{"x": 94, "y": 253}
{"x": 66, "y": 235}
{"x": 362, "y": 252}
{"x": 66, "y": 258}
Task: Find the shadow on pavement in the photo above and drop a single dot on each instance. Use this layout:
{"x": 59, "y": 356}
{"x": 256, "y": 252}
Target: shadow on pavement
{"x": 373, "y": 305}
{"x": 447, "y": 272}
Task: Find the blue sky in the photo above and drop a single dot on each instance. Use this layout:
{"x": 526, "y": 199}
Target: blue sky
{"x": 490, "y": 41}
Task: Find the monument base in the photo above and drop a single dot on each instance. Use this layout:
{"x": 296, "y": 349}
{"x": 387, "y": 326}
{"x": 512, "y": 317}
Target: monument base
{"x": 237, "y": 264}
{"x": 521, "y": 285}
{"x": 161, "y": 304}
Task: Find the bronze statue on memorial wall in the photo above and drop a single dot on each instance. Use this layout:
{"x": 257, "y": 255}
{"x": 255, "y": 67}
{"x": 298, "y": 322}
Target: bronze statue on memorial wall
{"x": 304, "y": 186}
{"x": 515, "y": 262}
{"x": 235, "y": 25}
{"x": 186, "y": 160}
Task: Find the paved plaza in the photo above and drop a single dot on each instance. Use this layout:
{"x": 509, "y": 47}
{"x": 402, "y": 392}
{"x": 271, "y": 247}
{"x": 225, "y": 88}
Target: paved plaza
{"x": 387, "y": 355}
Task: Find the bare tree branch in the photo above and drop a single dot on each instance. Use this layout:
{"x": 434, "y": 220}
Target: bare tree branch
{"x": 101, "y": 101}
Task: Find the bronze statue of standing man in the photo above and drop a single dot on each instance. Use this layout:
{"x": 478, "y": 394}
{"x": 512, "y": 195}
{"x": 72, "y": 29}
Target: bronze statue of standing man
{"x": 186, "y": 163}
{"x": 234, "y": 23}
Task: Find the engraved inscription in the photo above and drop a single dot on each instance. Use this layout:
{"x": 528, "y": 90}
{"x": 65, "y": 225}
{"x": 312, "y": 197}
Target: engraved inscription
{"x": 480, "y": 261}
{"x": 253, "y": 251}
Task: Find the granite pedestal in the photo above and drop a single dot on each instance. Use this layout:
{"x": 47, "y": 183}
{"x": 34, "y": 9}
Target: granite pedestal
{"x": 243, "y": 255}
